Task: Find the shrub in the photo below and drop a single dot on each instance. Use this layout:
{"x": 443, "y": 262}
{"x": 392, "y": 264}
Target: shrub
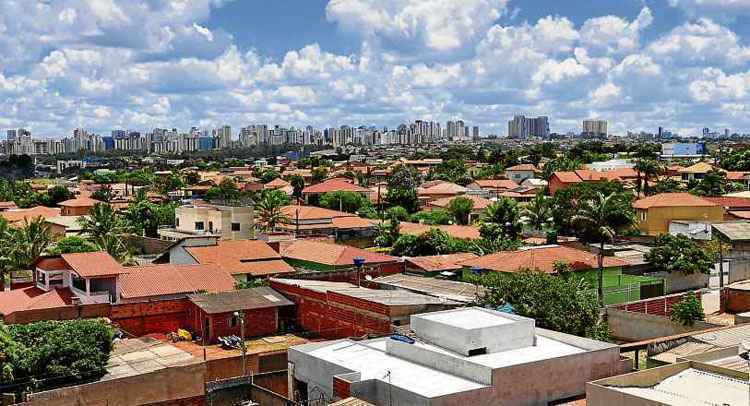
{"x": 688, "y": 310}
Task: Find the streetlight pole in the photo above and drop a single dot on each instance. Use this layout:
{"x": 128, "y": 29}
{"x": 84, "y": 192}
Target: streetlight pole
{"x": 243, "y": 349}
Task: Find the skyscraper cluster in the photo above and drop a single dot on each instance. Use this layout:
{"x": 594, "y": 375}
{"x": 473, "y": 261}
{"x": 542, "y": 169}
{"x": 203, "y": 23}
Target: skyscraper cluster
{"x": 521, "y": 127}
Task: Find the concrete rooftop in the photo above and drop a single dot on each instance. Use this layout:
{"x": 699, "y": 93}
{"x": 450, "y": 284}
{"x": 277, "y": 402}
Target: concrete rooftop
{"x": 135, "y": 356}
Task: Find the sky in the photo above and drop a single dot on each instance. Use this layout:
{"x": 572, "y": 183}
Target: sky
{"x": 142, "y": 64}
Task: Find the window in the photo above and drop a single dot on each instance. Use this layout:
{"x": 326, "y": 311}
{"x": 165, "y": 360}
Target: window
{"x": 643, "y": 215}
{"x": 41, "y": 277}
{"x": 233, "y": 321}
{"x": 199, "y": 225}
{"x": 478, "y": 351}
{"x": 78, "y": 282}
{"x": 177, "y": 221}
{"x": 235, "y": 226}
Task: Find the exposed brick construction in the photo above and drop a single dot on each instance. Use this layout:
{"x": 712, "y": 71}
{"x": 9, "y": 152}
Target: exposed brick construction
{"x": 660, "y": 306}
{"x": 341, "y": 388}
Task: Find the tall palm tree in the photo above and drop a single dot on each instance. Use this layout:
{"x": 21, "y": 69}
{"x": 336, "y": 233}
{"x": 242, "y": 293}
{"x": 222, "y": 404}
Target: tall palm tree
{"x": 104, "y": 226}
{"x": 269, "y": 209}
{"x": 601, "y": 215}
{"x": 537, "y": 213}
{"x": 34, "y": 239}
{"x": 648, "y": 168}
{"x": 8, "y": 245}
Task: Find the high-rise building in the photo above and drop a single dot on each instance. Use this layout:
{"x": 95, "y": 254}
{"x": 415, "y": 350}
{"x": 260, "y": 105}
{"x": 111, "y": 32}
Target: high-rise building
{"x": 522, "y": 127}
{"x": 594, "y": 128}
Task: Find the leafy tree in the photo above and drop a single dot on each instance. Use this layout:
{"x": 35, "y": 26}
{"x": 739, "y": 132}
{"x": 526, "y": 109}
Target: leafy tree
{"x": 103, "y": 195}
{"x": 143, "y": 217}
{"x": 674, "y": 253}
{"x": 192, "y": 178}
{"x": 566, "y": 202}
{"x": 269, "y": 175}
{"x": 713, "y": 184}
{"x": 561, "y": 164}
{"x": 461, "y": 208}
{"x": 601, "y": 217}
{"x": 55, "y": 195}
{"x": 433, "y": 217}
{"x": 319, "y": 174}
{"x": 667, "y": 185}
{"x": 388, "y": 232}
{"x": 33, "y": 239}
{"x": 252, "y": 283}
{"x": 73, "y": 244}
{"x": 398, "y": 212}
{"x": 688, "y": 310}
{"x": 453, "y": 170}
{"x": 225, "y": 191}
{"x": 298, "y": 183}
{"x": 341, "y": 200}
{"x": 402, "y": 188}
{"x": 559, "y": 304}
{"x": 72, "y": 349}
{"x": 269, "y": 209}
{"x": 169, "y": 183}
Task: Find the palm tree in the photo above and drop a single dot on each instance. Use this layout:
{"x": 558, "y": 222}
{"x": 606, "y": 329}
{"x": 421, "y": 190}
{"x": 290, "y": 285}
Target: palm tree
{"x": 34, "y": 238}
{"x": 104, "y": 227}
{"x": 8, "y": 245}
{"x": 601, "y": 215}
{"x": 270, "y": 212}
{"x": 647, "y": 168}
{"x": 537, "y": 213}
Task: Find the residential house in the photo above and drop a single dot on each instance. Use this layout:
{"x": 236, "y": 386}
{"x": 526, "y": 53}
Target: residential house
{"x": 168, "y": 282}
{"x": 520, "y": 173}
{"x": 79, "y": 206}
{"x": 280, "y": 184}
{"x": 480, "y": 205}
{"x": 5, "y": 206}
{"x": 17, "y": 217}
{"x": 695, "y": 172}
{"x": 490, "y": 187}
{"x": 735, "y": 208}
{"x": 333, "y": 185}
{"x": 244, "y": 259}
{"x": 91, "y": 277}
{"x": 564, "y": 179}
{"x": 323, "y": 256}
{"x": 454, "y": 357}
{"x": 317, "y": 221}
{"x": 65, "y": 226}
{"x": 437, "y": 265}
{"x": 227, "y": 222}
{"x": 260, "y": 311}
{"x": 654, "y": 213}
{"x": 455, "y": 231}
{"x": 438, "y": 189}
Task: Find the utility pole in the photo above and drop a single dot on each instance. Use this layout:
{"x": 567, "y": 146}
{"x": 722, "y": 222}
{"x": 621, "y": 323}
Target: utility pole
{"x": 243, "y": 348}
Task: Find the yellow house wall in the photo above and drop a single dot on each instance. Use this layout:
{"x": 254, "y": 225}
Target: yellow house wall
{"x": 658, "y": 218}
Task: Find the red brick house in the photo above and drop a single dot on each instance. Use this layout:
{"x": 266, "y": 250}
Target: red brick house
{"x": 79, "y": 206}
{"x": 213, "y": 315}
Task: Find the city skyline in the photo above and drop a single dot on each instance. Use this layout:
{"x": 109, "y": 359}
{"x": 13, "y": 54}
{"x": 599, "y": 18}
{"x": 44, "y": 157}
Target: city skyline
{"x": 678, "y": 64}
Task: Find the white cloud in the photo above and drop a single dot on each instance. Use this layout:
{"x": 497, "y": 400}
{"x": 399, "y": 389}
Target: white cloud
{"x": 614, "y": 35}
{"x": 703, "y": 42}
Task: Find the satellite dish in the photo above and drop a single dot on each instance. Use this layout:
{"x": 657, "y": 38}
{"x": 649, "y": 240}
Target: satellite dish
{"x": 368, "y": 278}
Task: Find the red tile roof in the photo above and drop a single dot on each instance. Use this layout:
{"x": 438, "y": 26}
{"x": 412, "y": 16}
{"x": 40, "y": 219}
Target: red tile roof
{"x": 672, "y": 200}
{"x": 542, "y": 259}
{"x": 730, "y": 202}
{"x": 33, "y": 298}
{"x": 93, "y": 264}
{"x": 169, "y": 279}
{"x": 522, "y": 167}
{"x": 19, "y": 215}
{"x": 456, "y": 231}
{"x": 440, "y": 188}
{"x": 334, "y": 185}
{"x": 79, "y": 202}
{"x": 238, "y": 257}
{"x": 480, "y": 203}
{"x": 351, "y": 222}
{"x": 277, "y": 183}
{"x": 312, "y": 213}
{"x": 331, "y": 254}
{"x": 438, "y": 263}
{"x": 492, "y": 184}
{"x": 741, "y": 214}
{"x": 735, "y": 176}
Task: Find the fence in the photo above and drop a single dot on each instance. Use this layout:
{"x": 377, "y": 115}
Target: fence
{"x": 622, "y": 288}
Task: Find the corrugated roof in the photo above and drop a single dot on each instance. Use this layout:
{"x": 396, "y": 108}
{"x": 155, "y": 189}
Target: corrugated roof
{"x": 436, "y": 263}
{"x": 385, "y": 297}
{"x": 334, "y": 185}
{"x": 331, "y": 254}
{"x": 239, "y": 257}
{"x": 734, "y": 231}
{"x": 453, "y": 290}
{"x": 240, "y": 299}
{"x": 168, "y": 279}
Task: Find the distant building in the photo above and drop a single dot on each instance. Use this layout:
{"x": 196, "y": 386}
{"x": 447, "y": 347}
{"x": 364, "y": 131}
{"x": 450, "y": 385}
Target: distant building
{"x": 228, "y": 222}
{"x": 594, "y": 128}
{"x": 521, "y": 127}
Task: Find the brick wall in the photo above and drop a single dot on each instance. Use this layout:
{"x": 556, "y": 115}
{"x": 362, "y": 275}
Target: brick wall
{"x": 258, "y": 322}
{"x": 350, "y": 275}
{"x": 737, "y": 300}
{"x": 332, "y": 315}
{"x": 660, "y": 306}
{"x": 341, "y": 388}
{"x": 151, "y": 317}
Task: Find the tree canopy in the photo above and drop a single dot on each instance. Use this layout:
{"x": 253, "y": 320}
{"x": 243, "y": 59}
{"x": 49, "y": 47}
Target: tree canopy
{"x": 678, "y": 253}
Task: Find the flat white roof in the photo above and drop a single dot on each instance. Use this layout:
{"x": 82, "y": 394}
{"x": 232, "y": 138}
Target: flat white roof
{"x": 693, "y": 387}
{"x": 373, "y": 363}
{"x": 469, "y": 318}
